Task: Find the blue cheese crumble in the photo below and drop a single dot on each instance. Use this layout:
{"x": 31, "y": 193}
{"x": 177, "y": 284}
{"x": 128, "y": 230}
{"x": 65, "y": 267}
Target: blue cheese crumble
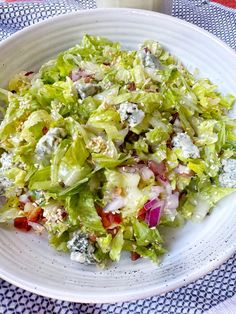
{"x": 130, "y": 113}
{"x": 6, "y": 161}
{"x": 49, "y": 142}
{"x": 149, "y": 60}
{"x": 6, "y": 164}
{"x": 89, "y": 89}
{"x": 228, "y": 177}
{"x": 81, "y": 249}
{"x": 184, "y": 142}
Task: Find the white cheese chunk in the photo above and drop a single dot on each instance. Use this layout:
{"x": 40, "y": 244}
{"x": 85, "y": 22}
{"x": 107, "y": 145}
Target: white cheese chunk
{"x": 228, "y": 177}
{"x": 131, "y": 113}
{"x": 184, "y": 142}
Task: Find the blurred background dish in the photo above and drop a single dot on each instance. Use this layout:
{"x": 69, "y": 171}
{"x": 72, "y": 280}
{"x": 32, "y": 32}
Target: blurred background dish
{"x": 163, "y": 6}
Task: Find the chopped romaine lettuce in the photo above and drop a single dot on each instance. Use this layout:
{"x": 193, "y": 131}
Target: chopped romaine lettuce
{"x": 106, "y": 147}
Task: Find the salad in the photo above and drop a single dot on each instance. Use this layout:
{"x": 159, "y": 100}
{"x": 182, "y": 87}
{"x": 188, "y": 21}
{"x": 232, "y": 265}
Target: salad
{"x": 104, "y": 148}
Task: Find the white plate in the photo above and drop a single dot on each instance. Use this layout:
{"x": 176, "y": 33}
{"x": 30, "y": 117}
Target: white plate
{"x": 26, "y": 260}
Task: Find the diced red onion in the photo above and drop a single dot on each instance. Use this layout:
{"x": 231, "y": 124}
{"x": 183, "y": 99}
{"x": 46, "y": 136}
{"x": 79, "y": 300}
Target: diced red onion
{"x": 114, "y": 205}
{"x": 153, "y": 217}
{"x": 155, "y": 191}
{"x": 76, "y": 74}
{"x": 172, "y": 201}
{"x": 150, "y": 204}
{"x": 157, "y": 168}
{"x": 146, "y": 173}
{"x": 167, "y": 186}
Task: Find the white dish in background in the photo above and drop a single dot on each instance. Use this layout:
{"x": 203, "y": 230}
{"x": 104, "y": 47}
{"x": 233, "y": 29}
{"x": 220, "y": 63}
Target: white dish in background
{"x": 26, "y": 260}
{"x": 163, "y": 6}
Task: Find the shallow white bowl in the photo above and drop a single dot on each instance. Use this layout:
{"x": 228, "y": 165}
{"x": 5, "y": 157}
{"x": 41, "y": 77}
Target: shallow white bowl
{"x": 26, "y": 260}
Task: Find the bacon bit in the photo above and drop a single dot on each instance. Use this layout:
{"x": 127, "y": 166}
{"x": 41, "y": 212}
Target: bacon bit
{"x": 109, "y": 220}
{"x": 64, "y": 214}
{"x": 22, "y": 224}
{"x": 88, "y": 79}
{"x": 43, "y": 220}
{"x": 44, "y": 130}
{"x": 174, "y": 118}
{"x": 35, "y": 215}
{"x": 76, "y": 74}
{"x": 146, "y": 50}
{"x": 29, "y": 73}
{"x": 134, "y": 256}
{"x": 92, "y": 237}
{"x": 30, "y": 198}
{"x": 142, "y": 214}
{"x": 131, "y": 86}
{"x": 21, "y": 206}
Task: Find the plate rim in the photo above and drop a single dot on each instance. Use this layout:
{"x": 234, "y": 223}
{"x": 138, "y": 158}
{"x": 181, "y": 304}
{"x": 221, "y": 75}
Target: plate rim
{"x": 128, "y": 295}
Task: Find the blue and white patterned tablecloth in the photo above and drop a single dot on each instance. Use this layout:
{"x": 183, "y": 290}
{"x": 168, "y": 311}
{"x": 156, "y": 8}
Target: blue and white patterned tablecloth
{"x": 195, "y": 298}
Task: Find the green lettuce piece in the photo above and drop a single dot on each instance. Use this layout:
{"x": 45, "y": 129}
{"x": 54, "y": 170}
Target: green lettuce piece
{"x": 159, "y": 133}
{"x": 103, "y": 116}
{"x": 17, "y": 176}
{"x": 41, "y": 180}
{"x": 198, "y": 204}
{"x": 135, "y": 197}
{"x": 16, "y": 112}
{"x": 87, "y": 107}
{"x": 144, "y": 235}
{"x": 212, "y": 160}
{"x": 71, "y": 167}
{"x": 62, "y": 92}
{"x": 82, "y": 211}
{"x": 105, "y": 243}
{"x": 116, "y": 246}
{"x": 205, "y": 133}
{"x": 33, "y": 126}
{"x": 9, "y": 211}
{"x": 59, "y": 242}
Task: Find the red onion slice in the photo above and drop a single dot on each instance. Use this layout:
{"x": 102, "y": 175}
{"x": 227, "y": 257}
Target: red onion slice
{"x": 150, "y": 204}
{"x": 172, "y": 201}
{"x": 153, "y": 217}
